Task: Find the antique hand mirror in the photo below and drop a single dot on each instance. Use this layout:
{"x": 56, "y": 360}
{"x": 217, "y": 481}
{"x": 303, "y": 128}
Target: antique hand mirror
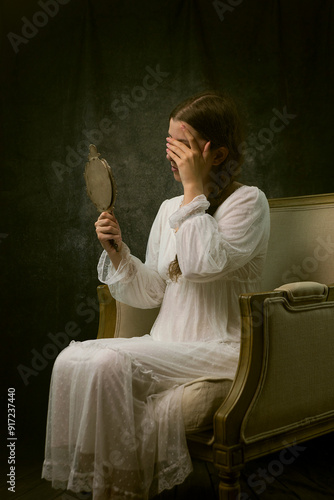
{"x": 100, "y": 183}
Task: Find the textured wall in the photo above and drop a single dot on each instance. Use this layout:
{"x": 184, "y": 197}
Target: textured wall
{"x": 109, "y": 72}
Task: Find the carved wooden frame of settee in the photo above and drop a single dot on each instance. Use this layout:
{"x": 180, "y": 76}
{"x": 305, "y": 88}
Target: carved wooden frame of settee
{"x": 283, "y": 392}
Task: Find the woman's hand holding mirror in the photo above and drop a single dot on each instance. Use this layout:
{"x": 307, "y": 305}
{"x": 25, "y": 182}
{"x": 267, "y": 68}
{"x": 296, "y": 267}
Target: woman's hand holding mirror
{"x": 108, "y": 232}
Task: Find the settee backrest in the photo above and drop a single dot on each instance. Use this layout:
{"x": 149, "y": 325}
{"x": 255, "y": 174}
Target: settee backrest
{"x": 301, "y": 244}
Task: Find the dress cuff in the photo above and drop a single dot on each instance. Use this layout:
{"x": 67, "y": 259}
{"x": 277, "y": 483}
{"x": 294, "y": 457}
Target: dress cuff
{"x": 106, "y": 271}
{"x": 196, "y": 207}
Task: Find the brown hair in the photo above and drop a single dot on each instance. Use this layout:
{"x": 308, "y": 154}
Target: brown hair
{"x": 215, "y": 117}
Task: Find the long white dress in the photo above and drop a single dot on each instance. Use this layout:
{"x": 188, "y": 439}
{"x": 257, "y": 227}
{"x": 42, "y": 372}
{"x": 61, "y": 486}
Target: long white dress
{"x": 115, "y": 424}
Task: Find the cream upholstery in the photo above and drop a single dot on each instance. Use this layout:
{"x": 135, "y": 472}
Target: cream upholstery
{"x": 133, "y": 322}
{"x": 283, "y": 391}
{"x": 301, "y": 245}
{"x": 201, "y": 398}
{"x": 305, "y": 291}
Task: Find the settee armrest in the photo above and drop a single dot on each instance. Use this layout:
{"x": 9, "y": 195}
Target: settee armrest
{"x": 283, "y": 390}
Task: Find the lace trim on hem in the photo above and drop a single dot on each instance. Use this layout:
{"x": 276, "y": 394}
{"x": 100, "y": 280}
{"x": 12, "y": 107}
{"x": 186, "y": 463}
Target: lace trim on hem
{"x": 164, "y": 479}
{"x": 81, "y": 482}
{"x": 171, "y": 475}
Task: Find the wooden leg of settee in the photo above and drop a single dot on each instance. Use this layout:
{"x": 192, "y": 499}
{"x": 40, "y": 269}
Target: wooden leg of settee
{"x": 229, "y": 485}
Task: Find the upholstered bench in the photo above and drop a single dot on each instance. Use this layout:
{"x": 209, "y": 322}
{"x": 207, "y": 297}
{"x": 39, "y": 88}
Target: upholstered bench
{"x": 283, "y": 391}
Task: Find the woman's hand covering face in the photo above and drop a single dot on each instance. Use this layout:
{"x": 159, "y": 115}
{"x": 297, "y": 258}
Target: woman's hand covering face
{"x": 192, "y": 159}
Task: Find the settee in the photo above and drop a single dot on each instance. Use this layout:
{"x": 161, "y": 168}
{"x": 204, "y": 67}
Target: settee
{"x": 283, "y": 391}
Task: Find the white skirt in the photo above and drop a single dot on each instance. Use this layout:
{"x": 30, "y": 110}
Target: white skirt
{"x": 115, "y": 424}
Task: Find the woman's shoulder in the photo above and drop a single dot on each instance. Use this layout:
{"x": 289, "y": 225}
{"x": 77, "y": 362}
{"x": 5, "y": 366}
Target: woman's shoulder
{"x": 247, "y": 193}
{"x": 244, "y": 196}
{"x": 167, "y": 208}
{"x": 171, "y": 204}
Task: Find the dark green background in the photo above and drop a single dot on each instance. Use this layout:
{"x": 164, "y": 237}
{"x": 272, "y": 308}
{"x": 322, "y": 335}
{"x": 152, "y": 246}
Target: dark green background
{"x": 74, "y": 72}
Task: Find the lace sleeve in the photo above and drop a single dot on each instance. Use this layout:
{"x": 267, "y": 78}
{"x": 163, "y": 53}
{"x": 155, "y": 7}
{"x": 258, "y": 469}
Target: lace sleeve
{"x": 209, "y": 248}
{"x": 135, "y": 283}
{"x": 125, "y": 272}
{"x": 196, "y": 207}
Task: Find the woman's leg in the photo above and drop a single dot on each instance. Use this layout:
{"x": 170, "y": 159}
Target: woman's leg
{"x": 115, "y": 415}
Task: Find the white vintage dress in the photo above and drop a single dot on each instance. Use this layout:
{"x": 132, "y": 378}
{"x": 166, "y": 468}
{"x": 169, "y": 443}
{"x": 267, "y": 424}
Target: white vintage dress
{"x": 115, "y": 418}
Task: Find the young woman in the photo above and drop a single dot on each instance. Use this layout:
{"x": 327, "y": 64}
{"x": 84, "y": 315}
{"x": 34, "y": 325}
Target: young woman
{"x": 115, "y": 424}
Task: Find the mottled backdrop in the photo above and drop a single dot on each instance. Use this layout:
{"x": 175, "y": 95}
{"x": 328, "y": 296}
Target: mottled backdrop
{"x": 109, "y": 72}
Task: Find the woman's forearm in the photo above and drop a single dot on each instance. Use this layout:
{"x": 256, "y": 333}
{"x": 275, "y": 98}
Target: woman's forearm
{"x": 115, "y": 257}
{"x": 191, "y": 191}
